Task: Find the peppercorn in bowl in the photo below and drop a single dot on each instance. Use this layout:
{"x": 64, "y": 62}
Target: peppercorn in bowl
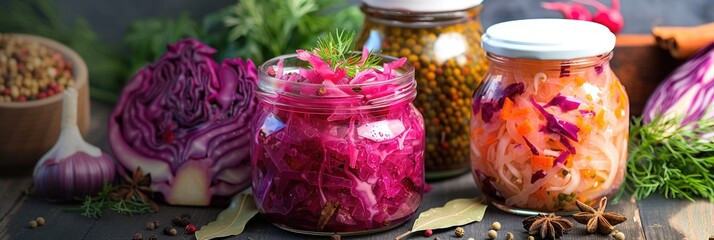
{"x": 33, "y": 73}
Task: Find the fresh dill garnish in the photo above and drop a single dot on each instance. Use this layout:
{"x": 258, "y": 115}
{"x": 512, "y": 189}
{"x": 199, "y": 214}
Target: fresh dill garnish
{"x": 93, "y": 207}
{"x": 671, "y": 159}
{"x": 336, "y": 49}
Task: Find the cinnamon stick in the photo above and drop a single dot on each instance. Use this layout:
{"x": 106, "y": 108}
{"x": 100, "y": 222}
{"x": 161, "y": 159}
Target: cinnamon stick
{"x": 683, "y": 42}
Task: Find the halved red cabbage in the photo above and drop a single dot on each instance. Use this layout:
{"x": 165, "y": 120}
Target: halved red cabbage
{"x": 687, "y": 93}
{"x": 185, "y": 119}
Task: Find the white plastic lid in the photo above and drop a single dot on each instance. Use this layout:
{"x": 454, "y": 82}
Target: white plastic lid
{"x": 548, "y": 39}
{"x": 423, "y": 5}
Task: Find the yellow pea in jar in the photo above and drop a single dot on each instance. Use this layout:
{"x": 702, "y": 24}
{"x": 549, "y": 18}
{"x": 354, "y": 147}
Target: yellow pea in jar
{"x": 442, "y": 39}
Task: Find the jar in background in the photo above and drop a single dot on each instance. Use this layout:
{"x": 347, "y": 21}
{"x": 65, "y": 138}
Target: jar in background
{"x": 443, "y": 41}
{"x": 324, "y": 161}
{"x": 550, "y": 121}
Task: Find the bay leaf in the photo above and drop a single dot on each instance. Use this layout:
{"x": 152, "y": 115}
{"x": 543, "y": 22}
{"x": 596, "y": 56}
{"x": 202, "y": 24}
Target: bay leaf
{"x": 456, "y": 212}
{"x": 232, "y": 220}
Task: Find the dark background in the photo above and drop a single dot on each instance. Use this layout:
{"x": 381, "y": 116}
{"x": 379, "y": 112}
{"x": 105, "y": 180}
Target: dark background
{"x": 110, "y": 19}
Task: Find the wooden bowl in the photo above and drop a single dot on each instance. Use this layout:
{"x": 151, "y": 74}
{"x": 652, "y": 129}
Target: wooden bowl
{"x": 29, "y": 129}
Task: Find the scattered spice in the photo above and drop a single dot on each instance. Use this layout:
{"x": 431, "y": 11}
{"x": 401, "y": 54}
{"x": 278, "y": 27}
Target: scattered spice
{"x": 459, "y": 232}
{"x": 598, "y": 220}
{"x": 138, "y": 185}
{"x": 547, "y": 226}
{"x": 496, "y": 226}
{"x": 619, "y": 235}
{"x": 428, "y": 232}
{"x": 169, "y": 230}
{"x": 33, "y": 224}
{"x": 327, "y": 211}
{"x": 492, "y": 234}
{"x": 40, "y": 221}
{"x": 335, "y": 236}
{"x": 153, "y": 237}
{"x": 191, "y": 229}
{"x": 509, "y": 236}
{"x": 183, "y": 220}
{"x": 31, "y": 71}
{"x": 152, "y": 225}
{"x": 137, "y": 236}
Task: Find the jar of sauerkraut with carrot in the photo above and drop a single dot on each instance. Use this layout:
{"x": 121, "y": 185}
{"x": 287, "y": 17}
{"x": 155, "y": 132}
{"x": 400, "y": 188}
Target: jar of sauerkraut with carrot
{"x": 550, "y": 120}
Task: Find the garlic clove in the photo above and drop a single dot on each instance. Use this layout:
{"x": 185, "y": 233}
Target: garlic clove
{"x": 72, "y": 169}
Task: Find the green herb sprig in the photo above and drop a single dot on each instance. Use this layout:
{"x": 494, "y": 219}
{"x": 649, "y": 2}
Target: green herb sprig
{"x": 93, "y": 207}
{"x": 337, "y": 50}
{"x": 671, "y": 159}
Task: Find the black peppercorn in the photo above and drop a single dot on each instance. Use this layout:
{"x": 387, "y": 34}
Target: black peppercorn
{"x": 137, "y": 236}
{"x": 152, "y": 225}
{"x": 169, "y": 230}
{"x": 153, "y": 237}
{"x": 183, "y": 220}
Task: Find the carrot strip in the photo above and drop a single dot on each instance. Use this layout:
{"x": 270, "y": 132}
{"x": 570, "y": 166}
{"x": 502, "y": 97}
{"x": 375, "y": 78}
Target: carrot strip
{"x": 506, "y": 110}
{"x": 543, "y": 162}
{"x": 525, "y": 128}
{"x": 520, "y": 113}
{"x": 491, "y": 139}
{"x": 600, "y": 119}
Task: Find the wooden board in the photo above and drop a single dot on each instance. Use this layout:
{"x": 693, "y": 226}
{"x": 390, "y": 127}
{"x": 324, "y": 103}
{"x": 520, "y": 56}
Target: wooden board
{"x": 70, "y": 225}
{"x": 11, "y": 190}
{"x": 677, "y": 219}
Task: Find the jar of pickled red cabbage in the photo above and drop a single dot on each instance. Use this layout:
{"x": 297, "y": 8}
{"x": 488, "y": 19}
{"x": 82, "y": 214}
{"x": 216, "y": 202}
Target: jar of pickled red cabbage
{"x": 443, "y": 41}
{"x": 336, "y": 157}
{"x": 550, "y": 121}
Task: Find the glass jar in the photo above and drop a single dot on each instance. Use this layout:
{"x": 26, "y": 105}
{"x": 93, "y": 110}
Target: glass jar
{"x": 550, "y": 121}
{"x": 324, "y": 161}
{"x": 443, "y": 41}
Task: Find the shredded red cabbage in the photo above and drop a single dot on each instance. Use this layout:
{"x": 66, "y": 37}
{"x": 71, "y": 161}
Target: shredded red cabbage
{"x": 366, "y": 160}
{"x": 562, "y": 158}
{"x": 555, "y": 125}
{"x": 587, "y": 113}
{"x": 488, "y": 109}
{"x": 486, "y": 184}
{"x": 534, "y": 150}
{"x": 538, "y": 175}
{"x": 567, "y": 144}
{"x": 565, "y": 103}
{"x": 564, "y": 71}
{"x": 511, "y": 91}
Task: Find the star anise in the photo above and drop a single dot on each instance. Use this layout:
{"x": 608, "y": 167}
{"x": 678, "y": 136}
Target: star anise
{"x": 138, "y": 185}
{"x": 547, "y": 226}
{"x": 598, "y": 220}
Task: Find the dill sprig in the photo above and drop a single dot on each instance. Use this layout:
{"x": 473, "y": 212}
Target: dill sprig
{"x": 93, "y": 207}
{"x": 671, "y": 159}
{"x": 337, "y": 50}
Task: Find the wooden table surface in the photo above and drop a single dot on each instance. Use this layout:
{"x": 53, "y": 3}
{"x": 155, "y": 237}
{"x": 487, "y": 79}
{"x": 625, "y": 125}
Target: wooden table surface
{"x": 651, "y": 218}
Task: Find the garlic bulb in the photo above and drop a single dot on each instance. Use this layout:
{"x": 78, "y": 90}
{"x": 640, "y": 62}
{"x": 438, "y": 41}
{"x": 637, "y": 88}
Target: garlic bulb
{"x": 72, "y": 168}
